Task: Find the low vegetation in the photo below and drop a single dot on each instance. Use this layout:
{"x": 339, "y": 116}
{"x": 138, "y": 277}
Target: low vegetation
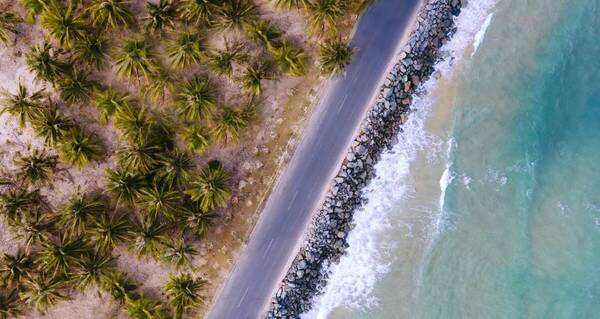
{"x": 149, "y": 71}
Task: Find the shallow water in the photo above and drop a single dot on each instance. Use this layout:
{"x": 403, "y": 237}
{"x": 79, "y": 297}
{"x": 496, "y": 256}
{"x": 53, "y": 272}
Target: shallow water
{"x": 487, "y": 208}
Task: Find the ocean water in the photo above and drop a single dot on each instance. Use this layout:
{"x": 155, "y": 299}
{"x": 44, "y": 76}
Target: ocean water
{"x": 488, "y": 207}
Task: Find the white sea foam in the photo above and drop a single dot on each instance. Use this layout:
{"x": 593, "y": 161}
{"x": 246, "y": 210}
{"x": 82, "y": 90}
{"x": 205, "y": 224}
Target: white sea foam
{"x": 480, "y": 35}
{"x": 369, "y": 255}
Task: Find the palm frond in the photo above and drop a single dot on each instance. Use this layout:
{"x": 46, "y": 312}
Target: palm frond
{"x": 221, "y": 61}
{"x": 289, "y": 59}
{"x": 8, "y": 23}
{"x": 262, "y": 32}
{"x": 78, "y": 213}
{"x": 24, "y": 105}
{"x": 228, "y": 124}
{"x": 109, "y": 230}
{"x": 179, "y": 253}
{"x": 144, "y": 308}
{"x": 183, "y": 292}
{"x": 75, "y": 87}
{"x": 91, "y": 268}
{"x": 236, "y": 13}
{"x": 196, "y": 100}
{"x": 199, "y": 12}
{"x": 124, "y": 185}
{"x": 46, "y": 63}
{"x": 52, "y": 126}
{"x": 196, "y": 138}
{"x": 79, "y": 148}
{"x": 135, "y": 59}
{"x": 57, "y": 256}
{"x": 118, "y": 285}
{"x": 211, "y": 187}
{"x": 160, "y": 199}
{"x": 149, "y": 237}
{"x": 109, "y": 101}
{"x": 63, "y": 24}
{"x": 173, "y": 169}
{"x": 334, "y": 56}
{"x": 37, "y": 167}
{"x": 160, "y": 15}
{"x": 185, "y": 49}
{"x": 43, "y": 291}
{"x": 91, "y": 50}
{"x": 15, "y": 268}
{"x": 109, "y": 14}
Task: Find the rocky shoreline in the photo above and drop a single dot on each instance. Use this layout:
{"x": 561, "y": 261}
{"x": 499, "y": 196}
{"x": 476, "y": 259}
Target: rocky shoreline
{"x": 326, "y": 242}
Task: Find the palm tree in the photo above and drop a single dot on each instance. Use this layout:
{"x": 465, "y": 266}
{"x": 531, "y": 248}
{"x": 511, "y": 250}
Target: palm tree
{"x": 63, "y": 24}
{"x": 135, "y": 59}
{"x": 160, "y": 199}
{"x": 124, "y": 185}
{"x": 196, "y": 138}
{"x": 289, "y": 59}
{"x": 173, "y": 169}
{"x": 211, "y": 187}
{"x": 15, "y": 268}
{"x": 288, "y": 4}
{"x": 79, "y": 148}
{"x": 34, "y": 8}
{"x": 59, "y": 255}
{"x": 229, "y": 123}
{"x": 200, "y": 12}
{"x": 44, "y": 61}
{"x": 75, "y": 87}
{"x": 43, "y": 291}
{"x": 221, "y": 61}
{"x": 179, "y": 253}
{"x": 162, "y": 83}
{"x": 144, "y": 308}
{"x": 323, "y": 13}
{"x": 138, "y": 157}
{"x": 37, "y": 167}
{"x": 17, "y": 201}
{"x": 24, "y": 105}
{"x": 183, "y": 292}
{"x": 334, "y": 56}
{"x": 196, "y": 221}
{"x": 109, "y": 101}
{"x": 118, "y": 285}
{"x": 251, "y": 81}
{"x": 8, "y": 23}
{"x": 236, "y": 13}
{"x": 78, "y": 213}
{"x": 110, "y": 14}
{"x": 185, "y": 49}
{"x": 148, "y": 237}
{"x": 262, "y": 32}
{"x": 196, "y": 100}
{"x": 34, "y": 228}
{"x": 10, "y": 304}
{"x": 91, "y": 268}
{"x": 109, "y": 230}
{"x": 160, "y": 15}
{"x": 361, "y": 5}
{"x": 91, "y": 50}
{"x": 52, "y": 126}
{"x": 133, "y": 123}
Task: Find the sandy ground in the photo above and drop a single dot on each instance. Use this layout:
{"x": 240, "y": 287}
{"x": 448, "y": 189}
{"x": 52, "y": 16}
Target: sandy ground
{"x": 254, "y": 161}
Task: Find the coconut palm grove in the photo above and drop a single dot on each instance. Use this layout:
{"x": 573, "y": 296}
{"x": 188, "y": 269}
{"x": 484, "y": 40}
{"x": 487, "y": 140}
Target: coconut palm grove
{"x": 173, "y": 80}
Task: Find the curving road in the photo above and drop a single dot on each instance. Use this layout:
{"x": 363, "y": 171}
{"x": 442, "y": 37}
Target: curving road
{"x": 274, "y": 241}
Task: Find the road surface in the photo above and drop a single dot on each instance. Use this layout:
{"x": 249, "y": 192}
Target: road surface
{"x": 274, "y": 241}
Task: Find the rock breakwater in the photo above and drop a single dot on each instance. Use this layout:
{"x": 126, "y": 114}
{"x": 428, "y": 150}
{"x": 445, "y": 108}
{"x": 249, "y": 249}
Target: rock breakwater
{"x": 326, "y": 241}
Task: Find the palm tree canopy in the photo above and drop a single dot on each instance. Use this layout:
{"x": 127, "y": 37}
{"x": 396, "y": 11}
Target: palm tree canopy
{"x": 91, "y": 268}
{"x": 145, "y": 308}
{"x": 251, "y": 81}
{"x": 173, "y": 169}
{"x": 10, "y": 304}
{"x": 58, "y": 256}
{"x": 45, "y": 62}
{"x": 183, "y": 292}
{"x": 135, "y": 59}
{"x": 196, "y": 100}
{"x": 133, "y": 123}
{"x": 8, "y": 23}
{"x": 163, "y": 82}
{"x": 179, "y": 253}
{"x": 138, "y": 157}
{"x": 221, "y": 61}
{"x": 79, "y": 148}
{"x": 200, "y": 12}
{"x": 185, "y": 49}
{"x": 34, "y": 8}
{"x": 149, "y": 237}
{"x": 334, "y": 56}
{"x": 78, "y": 213}
{"x": 160, "y": 15}
{"x": 109, "y": 230}
{"x": 75, "y": 87}
{"x": 236, "y": 13}
{"x": 14, "y": 268}
{"x": 16, "y": 202}
{"x": 324, "y": 13}
{"x": 109, "y": 101}
{"x": 196, "y": 138}
{"x": 63, "y": 24}
{"x": 290, "y": 59}
{"x": 37, "y": 167}
{"x": 124, "y": 185}
{"x": 160, "y": 199}
{"x": 110, "y": 13}
{"x": 23, "y": 104}
{"x": 211, "y": 187}
{"x": 118, "y": 285}
{"x": 197, "y": 221}
{"x": 229, "y": 123}
{"x": 262, "y": 32}
{"x": 34, "y": 228}
{"x": 91, "y": 50}
{"x": 52, "y": 126}
{"x": 43, "y": 291}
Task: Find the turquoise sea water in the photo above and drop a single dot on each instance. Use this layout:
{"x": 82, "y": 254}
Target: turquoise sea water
{"x": 518, "y": 235}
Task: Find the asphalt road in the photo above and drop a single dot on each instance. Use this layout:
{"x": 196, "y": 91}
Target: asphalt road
{"x": 274, "y": 241}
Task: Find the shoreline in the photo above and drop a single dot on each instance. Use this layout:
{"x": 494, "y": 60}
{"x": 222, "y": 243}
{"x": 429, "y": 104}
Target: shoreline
{"x": 325, "y": 241}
